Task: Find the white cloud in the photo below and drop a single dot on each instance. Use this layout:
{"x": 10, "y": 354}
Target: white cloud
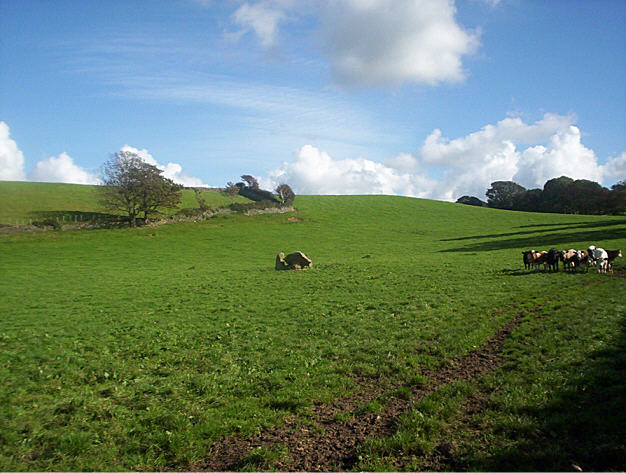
{"x": 11, "y": 157}
{"x": 403, "y": 162}
{"x": 315, "y": 172}
{"x": 62, "y": 169}
{"x": 510, "y": 150}
{"x": 563, "y": 155}
{"x": 529, "y": 154}
{"x": 462, "y": 179}
{"x": 491, "y": 140}
{"x": 615, "y": 168}
{"x": 375, "y": 42}
{"x": 390, "y": 42}
{"x": 262, "y": 18}
{"x": 173, "y": 171}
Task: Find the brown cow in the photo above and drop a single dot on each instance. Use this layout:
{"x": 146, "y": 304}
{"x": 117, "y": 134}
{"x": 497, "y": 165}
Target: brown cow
{"x": 569, "y": 259}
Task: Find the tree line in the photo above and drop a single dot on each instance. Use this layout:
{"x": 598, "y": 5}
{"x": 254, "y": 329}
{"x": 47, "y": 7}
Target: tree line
{"x": 559, "y": 195}
{"x": 139, "y": 190}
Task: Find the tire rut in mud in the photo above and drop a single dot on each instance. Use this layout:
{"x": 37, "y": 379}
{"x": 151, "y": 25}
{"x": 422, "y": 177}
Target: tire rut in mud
{"x": 330, "y": 443}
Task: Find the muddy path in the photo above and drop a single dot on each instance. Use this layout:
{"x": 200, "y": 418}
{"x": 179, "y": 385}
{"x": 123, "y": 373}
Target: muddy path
{"x": 329, "y": 441}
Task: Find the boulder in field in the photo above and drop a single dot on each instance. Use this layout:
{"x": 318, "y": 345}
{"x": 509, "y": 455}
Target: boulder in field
{"x": 297, "y": 260}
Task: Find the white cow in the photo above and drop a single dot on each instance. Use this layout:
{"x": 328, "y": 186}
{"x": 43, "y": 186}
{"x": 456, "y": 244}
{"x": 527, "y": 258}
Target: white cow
{"x": 601, "y": 257}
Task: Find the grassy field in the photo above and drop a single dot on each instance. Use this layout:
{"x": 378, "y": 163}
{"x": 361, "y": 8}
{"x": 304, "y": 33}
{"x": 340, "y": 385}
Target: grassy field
{"x": 24, "y": 202}
{"x": 129, "y": 349}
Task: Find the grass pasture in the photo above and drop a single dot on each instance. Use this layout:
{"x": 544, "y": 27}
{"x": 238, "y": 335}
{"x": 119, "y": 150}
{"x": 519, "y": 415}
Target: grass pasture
{"x": 24, "y": 202}
{"x": 124, "y": 349}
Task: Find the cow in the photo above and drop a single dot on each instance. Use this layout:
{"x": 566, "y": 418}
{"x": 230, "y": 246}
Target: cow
{"x": 600, "y": 257}
{"x": 583, "y": 260}
{"x": 569, "y": 259}
{"x": 611, "y": 255}
{"x": 539, "y": 258}
{"x": 552, "y": 259}
{"x": 527, "y": 257}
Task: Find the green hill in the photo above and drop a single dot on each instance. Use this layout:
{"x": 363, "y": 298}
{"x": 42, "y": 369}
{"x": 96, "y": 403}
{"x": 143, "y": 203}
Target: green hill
{"x": 24, "y": 202}
{"x": 149, "y": 348}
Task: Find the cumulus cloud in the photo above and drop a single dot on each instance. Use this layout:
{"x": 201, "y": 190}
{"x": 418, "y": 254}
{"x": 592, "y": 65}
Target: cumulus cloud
{"x": 491, "y": 140}
{"x": 529, "y": 154}
{"x": 11, "y": 157}
{"x": 615, "y": 168}
{"x": 390, "y": 42}
{"x": 314, "y": 172}
{"x": 173, "y": 171}
{"x": 374, "y": 42}
{"x": 404, "y": 162}
{"x": 564, "y": 154}
{"x": 62, "y": 169}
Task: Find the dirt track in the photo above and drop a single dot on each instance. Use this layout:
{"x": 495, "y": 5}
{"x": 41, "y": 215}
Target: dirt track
{"x": 332, "y": 444}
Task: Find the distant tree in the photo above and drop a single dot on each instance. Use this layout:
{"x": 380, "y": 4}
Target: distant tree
{"x": 202, "y": 203}
{"x": 557, "y": 195}
{"x": 588, "y": 197}
{"x": 529, "y": 201}
{"x": 560, "y": 195}
{"x": 252, "y": 190}
{"x": 231, "y": 190}
{"x": 285, "y": 194}
{"x": 134, "y": 186}
{"x": 620, "y": 186}
{"x": 471, "y": 200}
{"x": 616, "y": 199}
{"x": 501, "y": 194}
{"x": 251, "y": 181}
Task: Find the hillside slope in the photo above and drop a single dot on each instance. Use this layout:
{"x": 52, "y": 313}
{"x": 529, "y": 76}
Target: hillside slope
{"x": 146, "y": 348}
{"x": 23, "y": 202}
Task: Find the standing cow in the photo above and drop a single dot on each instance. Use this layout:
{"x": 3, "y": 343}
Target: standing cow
{"x": 569, "y": 258}
{"x": 612, "y": 254}
{"x": 552, "y": 259}
{"x": 527, "y": 257}
{"x": 600, "y": 257}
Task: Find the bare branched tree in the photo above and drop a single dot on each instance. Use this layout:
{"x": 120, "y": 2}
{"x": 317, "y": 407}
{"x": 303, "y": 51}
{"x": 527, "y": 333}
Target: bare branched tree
{"x": 285, "y": 194}
{"x": 251, "y": 181}
{"x": 231, "y": 190}
{"x": 134, "y": 186}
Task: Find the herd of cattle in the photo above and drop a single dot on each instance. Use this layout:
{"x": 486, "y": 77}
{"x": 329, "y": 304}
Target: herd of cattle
{"x": 571, "y": 259}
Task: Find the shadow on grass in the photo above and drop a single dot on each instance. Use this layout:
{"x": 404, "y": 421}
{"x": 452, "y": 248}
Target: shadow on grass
{"x": 75, "y": 216}
{"x": 559, "y": 239}
{"x": 606, "y": 223}
{"x": 519, "y": 272}
{"x": 542, "y": 228}
{"x": 529, "y": 272}
{"x": 584, "y": 425}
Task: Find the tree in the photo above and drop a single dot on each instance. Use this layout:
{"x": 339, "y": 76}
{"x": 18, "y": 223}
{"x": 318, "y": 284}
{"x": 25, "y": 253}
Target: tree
{"x": 252, "y": 190}
{"x": 231, "y": 190}
{"x": 471, "y": 200}
{"x": 588, "y": 197}
{"x": 251, "y": 181}
{"x": 617, "y": 198}
{"x": 202, "y": 203}
{"x": 529, "y": 201}
{"x": 134, "y": 186}
{"x": 557, "y": 195}
{"x": 285, "y": 195}
{"x": 501, "y": 194}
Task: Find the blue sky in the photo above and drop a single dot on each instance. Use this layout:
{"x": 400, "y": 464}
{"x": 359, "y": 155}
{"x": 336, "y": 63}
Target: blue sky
{"x": 427, "y": 98}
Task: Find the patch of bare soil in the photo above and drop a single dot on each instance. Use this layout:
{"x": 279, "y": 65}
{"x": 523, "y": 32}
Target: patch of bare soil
{"x": 337, "y": 429}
